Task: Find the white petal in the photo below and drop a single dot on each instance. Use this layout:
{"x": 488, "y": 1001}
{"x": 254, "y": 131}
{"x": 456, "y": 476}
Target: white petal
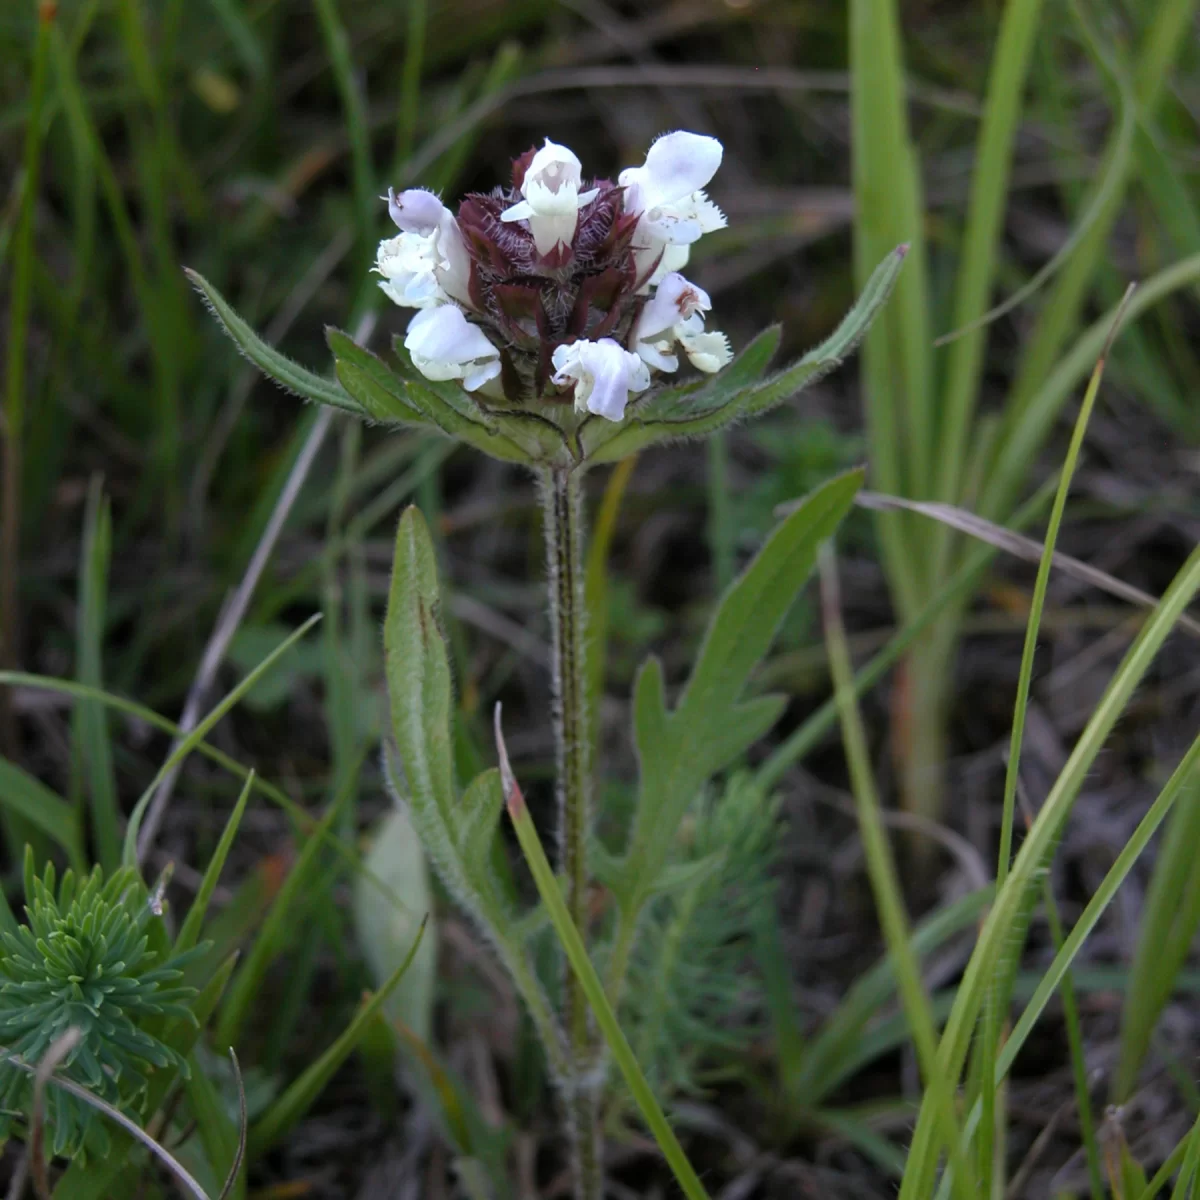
{"x": 444, "y": 332}
{"x": 604, "y": 374}
{"x": 677, "y": 165}
{"x": 673, "y": 258}
{"x": 707, "y": 352}
{"x": 454, "y": 266}
{"x": 551, "y": 167}
{"x": 675, "y": 300}
{"x": 445, "y": 345}
{"x": 409, "y": 266}
{"x": 658, "y": 356}
{"x": 477, "y": 376}
{"x": 521, "y": 211}
{"x": 552, "y": 200}
{"x": 416, "y": 210}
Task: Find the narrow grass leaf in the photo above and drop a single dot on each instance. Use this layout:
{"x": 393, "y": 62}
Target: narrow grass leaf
{"x": 885, "y": 884}
{"x": 1006, "y": 921}
{"x": 581, "y": 965}
{"x": 281, "y": 920}
{"x": 189, "y": 931}
{"x": 92, "y": 719}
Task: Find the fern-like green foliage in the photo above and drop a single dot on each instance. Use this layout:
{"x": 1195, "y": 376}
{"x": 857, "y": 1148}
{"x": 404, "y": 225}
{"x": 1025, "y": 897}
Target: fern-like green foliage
{"x": 94, "y": 957}
{"x": 692, "y": 994}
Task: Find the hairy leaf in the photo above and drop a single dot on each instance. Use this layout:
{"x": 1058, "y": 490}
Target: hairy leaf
{"x": 290, "y": 376}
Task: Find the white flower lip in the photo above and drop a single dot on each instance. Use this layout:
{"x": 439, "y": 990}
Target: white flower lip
{"x": 445, "y": 345}
{"x": 677, "y": 166}
{"x": 552, "y": 198}
{"x": 667, "y": 193}
{"x": 604, "y": 374}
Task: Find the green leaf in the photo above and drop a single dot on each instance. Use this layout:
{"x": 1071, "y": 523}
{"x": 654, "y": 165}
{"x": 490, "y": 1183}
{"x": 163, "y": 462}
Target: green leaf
{"x": 456, "y": 833}
{"x": 289, "y": 375}
{"x": 710, "y": 727}
{"x": 91, "y": 721}
{"x": 189, "y": 932}
{"x": 1167, "y": 929}
{"x": 385, "y": 924}
{"x": 32, "y": 800}
{"x": 290, "y": 1108}
{"x": 374, "y": 386}
{"x": 418, "y": 680}
{"x": 733, "y": 394}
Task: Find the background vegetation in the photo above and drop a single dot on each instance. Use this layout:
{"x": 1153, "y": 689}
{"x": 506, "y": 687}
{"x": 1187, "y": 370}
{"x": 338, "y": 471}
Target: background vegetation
{"x": 155, "y": 490}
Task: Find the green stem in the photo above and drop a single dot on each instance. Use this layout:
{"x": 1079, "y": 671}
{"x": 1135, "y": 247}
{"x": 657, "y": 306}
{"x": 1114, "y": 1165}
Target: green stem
{"x": 564, "y": 579}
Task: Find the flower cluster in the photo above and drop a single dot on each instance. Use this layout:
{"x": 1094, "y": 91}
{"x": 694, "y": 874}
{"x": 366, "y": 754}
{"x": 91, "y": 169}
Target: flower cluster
{"x": 557, "y": 290}
{"x": 85, "y": 961}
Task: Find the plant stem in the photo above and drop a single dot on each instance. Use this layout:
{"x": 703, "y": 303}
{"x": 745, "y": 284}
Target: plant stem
{"x": 563, "y": 519}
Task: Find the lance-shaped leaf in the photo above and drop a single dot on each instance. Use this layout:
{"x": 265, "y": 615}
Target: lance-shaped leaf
{"x": 680, "y": 750}
{"x": 290, "y": 376}
{"x": 666, "y": 417}
{"x": 456, "y": 831}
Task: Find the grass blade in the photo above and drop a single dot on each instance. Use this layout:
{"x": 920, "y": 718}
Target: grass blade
{"x": 189, "y": 931}
{"x": 577, "y": 956}
{"x": 92, "y": 721}
{"x": 196, "y": 736}
{"x": 885, "y": 884}
{"x": 14, "y": 389}
{"x": 1005, "y": 922}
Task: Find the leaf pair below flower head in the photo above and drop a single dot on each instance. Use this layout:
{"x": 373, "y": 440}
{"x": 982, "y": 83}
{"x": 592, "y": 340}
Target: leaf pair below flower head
{"x": 550, "y": 433}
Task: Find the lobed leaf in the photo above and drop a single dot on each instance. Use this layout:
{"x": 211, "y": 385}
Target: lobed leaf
{"x": 679, "y": 751}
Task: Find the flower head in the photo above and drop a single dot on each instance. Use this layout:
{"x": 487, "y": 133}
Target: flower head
{"x": 557, "y": 288}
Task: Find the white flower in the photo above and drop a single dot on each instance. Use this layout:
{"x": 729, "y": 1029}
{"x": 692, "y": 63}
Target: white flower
{"x": 604, "y": 375}
{"x": 426, "y": 264}
{"x": 668, "y": 193}
{"x": 552, "y": 198}
{"x": 445, "y": 345}
{"x": 675, "y": 313}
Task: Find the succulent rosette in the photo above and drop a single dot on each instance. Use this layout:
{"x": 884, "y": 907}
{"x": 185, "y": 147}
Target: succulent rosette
{"x": 551, "y": 314}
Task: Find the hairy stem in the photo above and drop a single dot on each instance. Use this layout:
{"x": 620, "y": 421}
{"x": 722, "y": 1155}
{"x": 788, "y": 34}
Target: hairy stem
{"x": 564, "y": 560}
